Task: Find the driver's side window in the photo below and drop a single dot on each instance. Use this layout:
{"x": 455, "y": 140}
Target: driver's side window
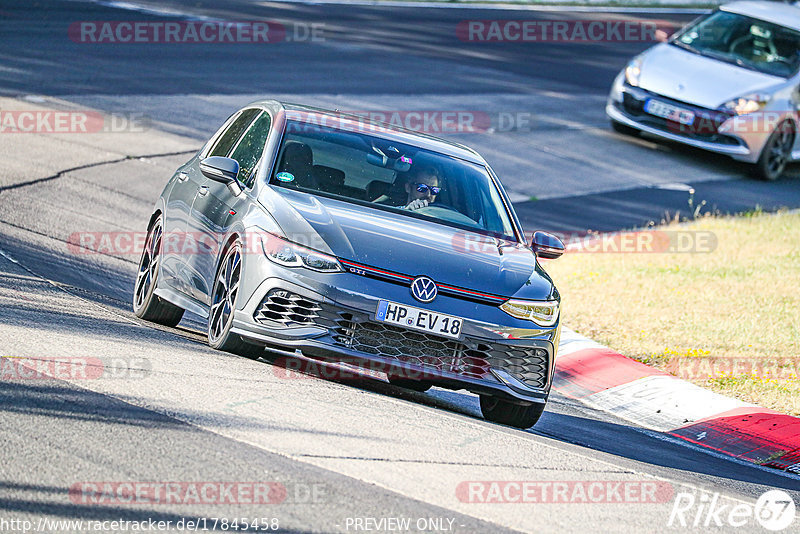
{"x": 248, "y": 151}
{"x": 229, "y": 137}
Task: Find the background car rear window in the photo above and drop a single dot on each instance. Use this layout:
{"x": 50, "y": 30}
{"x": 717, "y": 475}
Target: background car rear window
{"x": 235, "y": 130}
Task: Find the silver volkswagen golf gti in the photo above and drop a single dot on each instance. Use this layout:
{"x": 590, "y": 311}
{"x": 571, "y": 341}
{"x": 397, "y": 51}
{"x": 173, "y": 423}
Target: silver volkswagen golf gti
{"x": 316, "y": 234}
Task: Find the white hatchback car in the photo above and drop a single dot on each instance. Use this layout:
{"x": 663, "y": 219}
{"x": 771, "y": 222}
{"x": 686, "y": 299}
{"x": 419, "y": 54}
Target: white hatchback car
{"x": 728, "y": 82}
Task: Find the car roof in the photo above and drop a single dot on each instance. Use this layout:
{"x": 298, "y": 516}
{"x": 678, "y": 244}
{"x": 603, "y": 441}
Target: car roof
{"x": 779, "y": 13}
{"x": 357, "y": 123}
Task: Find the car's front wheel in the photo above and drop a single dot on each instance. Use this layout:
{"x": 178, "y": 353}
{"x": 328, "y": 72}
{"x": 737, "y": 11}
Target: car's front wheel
{"x": 146, "y": 304}
{"x": 508, "y": 413}
{"x": 776, "y": 153}
{"x": 223, "y": 304}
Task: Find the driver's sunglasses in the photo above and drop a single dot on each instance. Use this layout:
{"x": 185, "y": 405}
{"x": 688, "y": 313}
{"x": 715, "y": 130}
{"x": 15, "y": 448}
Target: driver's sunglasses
{"x": 424, "y": 188}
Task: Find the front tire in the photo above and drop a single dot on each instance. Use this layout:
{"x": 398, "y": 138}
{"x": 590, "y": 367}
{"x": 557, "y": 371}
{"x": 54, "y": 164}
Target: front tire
{"x": 508, "y": 413}
{"x": 223, "y": 304}
{"x": 776, "y": 153}
{"x": 146, "y": 304}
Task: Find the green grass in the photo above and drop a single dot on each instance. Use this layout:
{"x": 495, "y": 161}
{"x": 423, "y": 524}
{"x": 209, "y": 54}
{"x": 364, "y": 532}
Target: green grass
{"x": 741, "y": 301}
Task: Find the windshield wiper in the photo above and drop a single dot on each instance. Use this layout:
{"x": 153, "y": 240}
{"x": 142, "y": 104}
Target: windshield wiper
{"x": 735, "y": 60}
{"x": 690, "y": 48}
{"x": 720, "y": 56}
{"x": 746, "y": 64}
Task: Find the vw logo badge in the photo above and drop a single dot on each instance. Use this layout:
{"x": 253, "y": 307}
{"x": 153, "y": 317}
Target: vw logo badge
{"x": 423, "y": 289}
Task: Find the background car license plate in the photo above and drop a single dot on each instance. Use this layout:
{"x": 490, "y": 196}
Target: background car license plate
{"x": 668, "y": 111}
{"x": 418, "y": 319}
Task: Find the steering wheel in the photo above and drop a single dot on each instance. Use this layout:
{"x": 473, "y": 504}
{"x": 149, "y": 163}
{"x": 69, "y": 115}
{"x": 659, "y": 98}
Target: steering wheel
{"x": 440, "y": 205}
{"x": 773, "y": 52}
{"x": 445, "y": 212}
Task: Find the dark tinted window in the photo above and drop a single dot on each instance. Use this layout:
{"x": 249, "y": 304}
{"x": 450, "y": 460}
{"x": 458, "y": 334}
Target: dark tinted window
{"x": 234, "y": 131}
{"x": 249, "y": 149}
{"x": 391, "y": 176}
{"x": 750, "y": 43}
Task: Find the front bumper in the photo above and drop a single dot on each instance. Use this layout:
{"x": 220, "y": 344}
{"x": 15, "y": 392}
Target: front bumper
{"x": 713, "y": 130}
{"x": 305, "y": 312}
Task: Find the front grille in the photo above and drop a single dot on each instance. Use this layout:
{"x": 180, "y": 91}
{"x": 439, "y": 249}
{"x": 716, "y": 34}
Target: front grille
{"x": 527, "y": 364}
{"x": 470, "y": 358}
{"x": 286, "y": 308}
{"x": 406, "y": 346}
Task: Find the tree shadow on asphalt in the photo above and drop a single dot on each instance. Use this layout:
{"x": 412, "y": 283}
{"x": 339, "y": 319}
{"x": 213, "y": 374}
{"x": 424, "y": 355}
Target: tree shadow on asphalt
{"x": 52, "y": 398}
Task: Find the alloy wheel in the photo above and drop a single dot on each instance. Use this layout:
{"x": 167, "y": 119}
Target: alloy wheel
{"x": 780, "y": 151}
{"x": 226, "y": 288}
{"x": 148, "y": 266}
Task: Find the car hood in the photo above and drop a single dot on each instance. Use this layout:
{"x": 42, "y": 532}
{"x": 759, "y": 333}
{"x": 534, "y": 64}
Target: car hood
{"x": 408, "y": 245}
{"x": 695, "y": 79}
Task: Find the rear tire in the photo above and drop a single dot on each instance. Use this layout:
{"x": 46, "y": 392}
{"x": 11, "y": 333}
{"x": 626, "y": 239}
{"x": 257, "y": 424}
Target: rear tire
{"x": 223, "y": 304}
{"x": 409, "y": 383}
{"x": 776, "y": 153}
{"x": 624, "y": 129}
{"x": 508, "y": 413}
{"x": 146, "y": 304}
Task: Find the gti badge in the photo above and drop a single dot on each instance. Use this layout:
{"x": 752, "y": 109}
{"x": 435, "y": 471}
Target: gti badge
{"x": 423, "y": 289}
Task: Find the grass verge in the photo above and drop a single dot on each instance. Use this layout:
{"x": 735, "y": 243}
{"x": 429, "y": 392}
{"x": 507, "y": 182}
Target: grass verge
{"x": 727, "y": 319}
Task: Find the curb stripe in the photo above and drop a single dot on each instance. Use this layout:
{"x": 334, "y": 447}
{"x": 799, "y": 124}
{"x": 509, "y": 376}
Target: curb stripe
{"x": 604, "y": 379}
{"x": 595, "y": 370}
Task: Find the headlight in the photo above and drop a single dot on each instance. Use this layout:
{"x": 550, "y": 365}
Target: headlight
{"x": 541, "y": 312}
{"x": 288, "y": 254}
{"x": 747, "y": 104}
{"x": 633, "y": 71}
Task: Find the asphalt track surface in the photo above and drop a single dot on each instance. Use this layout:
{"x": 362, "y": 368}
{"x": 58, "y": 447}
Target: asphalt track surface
{"x": 183, "y": 412}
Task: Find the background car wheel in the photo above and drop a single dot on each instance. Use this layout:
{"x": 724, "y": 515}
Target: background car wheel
{"x": 507, "y": 413}
{"x": 223, "y": 304}
{"x": 776, "y": 153}
{"x": 408, "y": 383}
{"x": 623, "y": 128}
{"x": 146, "y": 304}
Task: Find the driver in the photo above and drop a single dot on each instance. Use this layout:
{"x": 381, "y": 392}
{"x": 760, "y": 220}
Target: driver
{"x": 422, "y": 187}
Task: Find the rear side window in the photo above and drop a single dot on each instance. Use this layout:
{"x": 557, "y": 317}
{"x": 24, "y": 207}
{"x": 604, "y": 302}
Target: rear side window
{"x": 250, "y": 148}
{"x": 233, "y": 133}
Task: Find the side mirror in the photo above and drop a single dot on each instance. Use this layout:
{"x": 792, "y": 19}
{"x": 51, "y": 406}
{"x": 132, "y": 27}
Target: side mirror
{"x": 546, "y": 245}
{"x": 222, "y": 170}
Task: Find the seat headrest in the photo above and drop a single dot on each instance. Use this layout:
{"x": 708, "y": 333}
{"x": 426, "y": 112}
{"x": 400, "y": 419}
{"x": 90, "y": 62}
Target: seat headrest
{"x": 297, "y": 155}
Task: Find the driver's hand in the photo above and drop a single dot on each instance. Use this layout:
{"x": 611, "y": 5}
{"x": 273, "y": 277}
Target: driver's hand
{"x": 416, "y": 204}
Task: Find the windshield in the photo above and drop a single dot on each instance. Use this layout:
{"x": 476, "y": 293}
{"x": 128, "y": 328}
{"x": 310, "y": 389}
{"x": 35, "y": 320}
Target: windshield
{"x": 744, "y": 41}
{"x": 392, "y": 176}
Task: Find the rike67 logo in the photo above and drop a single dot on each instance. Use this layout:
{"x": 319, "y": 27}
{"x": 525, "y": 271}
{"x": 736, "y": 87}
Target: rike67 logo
{"x": 774, "y": 510}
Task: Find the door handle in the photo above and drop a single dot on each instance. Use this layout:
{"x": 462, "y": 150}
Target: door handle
{"x": 202, "y": 190}
{"x": 182, "y": 176}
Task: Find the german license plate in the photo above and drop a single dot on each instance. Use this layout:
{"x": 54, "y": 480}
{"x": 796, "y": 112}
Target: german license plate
{"x": 668, "y": 111}
{"x": 418, "y": 319}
